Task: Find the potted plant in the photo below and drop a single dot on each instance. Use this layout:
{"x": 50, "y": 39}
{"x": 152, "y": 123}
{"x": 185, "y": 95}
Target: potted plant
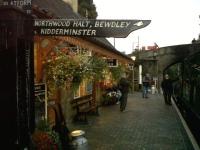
{"x": 45, "y": 138}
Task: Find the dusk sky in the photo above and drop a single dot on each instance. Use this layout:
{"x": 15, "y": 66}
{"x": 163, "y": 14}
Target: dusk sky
{"x": 173, "y": 22}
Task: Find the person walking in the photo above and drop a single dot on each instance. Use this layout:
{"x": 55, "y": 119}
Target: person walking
{"x": 167, "y": 89}
{"x": 145, "y": 85}
{"x": 123, "y": 86}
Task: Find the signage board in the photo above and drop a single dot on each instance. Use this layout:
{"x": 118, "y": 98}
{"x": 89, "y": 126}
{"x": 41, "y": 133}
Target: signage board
{"x": 22, "y": 4}
{"x": 87, "y": 27}
{"x": 40, "y": 101}
{"x": 40, "y": 89}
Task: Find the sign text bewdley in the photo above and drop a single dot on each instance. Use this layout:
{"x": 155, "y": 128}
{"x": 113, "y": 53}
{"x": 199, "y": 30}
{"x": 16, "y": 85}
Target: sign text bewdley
{"x": 93, "y": 28}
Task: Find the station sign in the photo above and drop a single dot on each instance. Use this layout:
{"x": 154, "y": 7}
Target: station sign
{"x": 40, "y": 91}
{"x": 87, "y": 27}
{"x": 22, "y": 4}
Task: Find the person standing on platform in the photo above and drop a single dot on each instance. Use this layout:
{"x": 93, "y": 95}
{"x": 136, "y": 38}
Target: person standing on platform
{"x": 145, "y": 85}
{"x": 123, "y": 86}
{"x": 167, "y": 89}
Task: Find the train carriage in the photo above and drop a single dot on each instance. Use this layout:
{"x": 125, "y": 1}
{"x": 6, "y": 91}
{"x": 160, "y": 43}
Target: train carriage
{"x": 186, "y": 92}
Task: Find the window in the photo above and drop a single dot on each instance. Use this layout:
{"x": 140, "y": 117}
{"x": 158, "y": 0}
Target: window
{"x": 77, "y": 93}
{"x": 88, "y": 87}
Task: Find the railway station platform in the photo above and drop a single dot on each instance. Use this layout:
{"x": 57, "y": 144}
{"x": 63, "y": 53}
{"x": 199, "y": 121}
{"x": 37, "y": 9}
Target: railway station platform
{"x": 147, "y": 124}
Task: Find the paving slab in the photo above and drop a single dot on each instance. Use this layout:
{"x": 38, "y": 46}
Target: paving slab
{"x": 148, "y": 124}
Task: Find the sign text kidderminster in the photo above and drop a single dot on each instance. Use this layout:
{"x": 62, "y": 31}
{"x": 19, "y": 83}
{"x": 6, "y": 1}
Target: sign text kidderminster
{"x": 93, "y": 28}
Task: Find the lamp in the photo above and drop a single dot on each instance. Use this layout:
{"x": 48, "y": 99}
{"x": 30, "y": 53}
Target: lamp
{"x": 133, "y": 58}
{"x": 133, "y": 78}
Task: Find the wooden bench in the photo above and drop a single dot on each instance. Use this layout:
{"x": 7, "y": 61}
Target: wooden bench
{"x": 84, "y": 105}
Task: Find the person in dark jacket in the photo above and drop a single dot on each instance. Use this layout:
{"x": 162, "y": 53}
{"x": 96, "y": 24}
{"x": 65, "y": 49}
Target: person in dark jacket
{"x": 167, "y": 89}
{"x": 145, "y": 85}
{"x": 123, "y": 86}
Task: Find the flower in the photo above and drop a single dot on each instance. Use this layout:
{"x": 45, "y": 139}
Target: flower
{"x": 68, "y": 68}
{"x": 43, "y": 141}
{"x": 44, "y": 138}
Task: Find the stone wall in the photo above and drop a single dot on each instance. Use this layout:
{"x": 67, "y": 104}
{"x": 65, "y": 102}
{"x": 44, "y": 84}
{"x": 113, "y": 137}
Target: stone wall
{"x": 156, "y": 61}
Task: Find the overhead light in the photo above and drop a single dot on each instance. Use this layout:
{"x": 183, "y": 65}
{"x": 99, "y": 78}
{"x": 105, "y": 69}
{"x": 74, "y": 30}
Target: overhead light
{"x": 133, "y": 58}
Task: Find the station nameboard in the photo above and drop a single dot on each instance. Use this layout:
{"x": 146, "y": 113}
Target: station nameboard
{"x": 86, "y": 27}
{"x": 22, "y": 4}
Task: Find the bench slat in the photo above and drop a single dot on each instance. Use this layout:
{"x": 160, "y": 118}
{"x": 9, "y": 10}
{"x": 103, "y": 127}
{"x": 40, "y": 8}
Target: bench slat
{"x": 83, "y": 105}
{"x": 81, "y": 98}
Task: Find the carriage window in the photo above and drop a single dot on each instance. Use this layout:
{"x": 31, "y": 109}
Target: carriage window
{"x": 195, "y": 71}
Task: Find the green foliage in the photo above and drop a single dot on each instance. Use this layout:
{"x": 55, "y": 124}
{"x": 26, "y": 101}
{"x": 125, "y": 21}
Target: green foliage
{"x": 86, "y": 7}
{"x": 44, "y": 137}
{"x": 96, "y": 68}
{"x": 43, "y": 126}
{"x": 73, "y": 69}
{"x": 117, "y": 72}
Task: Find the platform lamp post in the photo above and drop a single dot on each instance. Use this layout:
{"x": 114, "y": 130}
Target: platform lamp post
{"x": 133, "y": 87}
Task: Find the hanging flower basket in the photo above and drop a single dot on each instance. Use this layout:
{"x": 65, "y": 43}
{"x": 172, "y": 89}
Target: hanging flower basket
{"x": 73, "y": 69}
